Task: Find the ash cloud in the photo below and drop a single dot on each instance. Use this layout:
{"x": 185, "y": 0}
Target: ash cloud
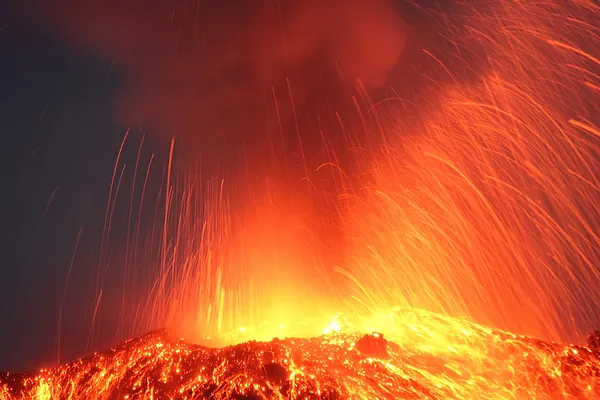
{"x": 207, "y": 71}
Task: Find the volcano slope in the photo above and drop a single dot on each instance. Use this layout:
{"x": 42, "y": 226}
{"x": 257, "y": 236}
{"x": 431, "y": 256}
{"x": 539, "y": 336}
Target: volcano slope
{"x": 420, "y": 355}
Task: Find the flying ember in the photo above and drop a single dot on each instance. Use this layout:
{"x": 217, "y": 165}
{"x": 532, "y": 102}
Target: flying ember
{"x": 456, "y": 258}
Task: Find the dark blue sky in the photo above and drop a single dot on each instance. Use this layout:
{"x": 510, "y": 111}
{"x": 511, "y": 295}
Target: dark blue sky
{"x": 58, "y": 136}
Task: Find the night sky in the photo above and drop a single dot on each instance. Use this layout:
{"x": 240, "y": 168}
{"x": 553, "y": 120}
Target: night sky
{"x": 60, "y": 139}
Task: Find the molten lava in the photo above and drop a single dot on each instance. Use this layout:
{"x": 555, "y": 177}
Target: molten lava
{"x": 426, "y": 356}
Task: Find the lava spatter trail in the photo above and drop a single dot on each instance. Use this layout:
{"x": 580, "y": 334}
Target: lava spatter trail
{"x": 426, "y": 356}
{"x": 487, "y": 208}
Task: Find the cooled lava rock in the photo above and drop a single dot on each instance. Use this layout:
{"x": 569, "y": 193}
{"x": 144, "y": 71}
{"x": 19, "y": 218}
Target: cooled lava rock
{"x": 373, "y": 345}
{"x": 274, "y": 372}
{"x": 594, "y": 340}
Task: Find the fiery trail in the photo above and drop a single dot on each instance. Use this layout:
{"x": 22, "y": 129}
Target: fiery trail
{"x": 487, "y": 211}
{"x": 491, "y": 209}
{"x": 224, "y": 273}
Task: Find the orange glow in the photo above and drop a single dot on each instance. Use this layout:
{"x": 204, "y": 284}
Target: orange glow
{"x": 429, "y": 356}
{"x": 231, "y": 277}
{"x": 491, "y": 209}
{"x": 483, "y": 219}
{"x": 488, "y": 209}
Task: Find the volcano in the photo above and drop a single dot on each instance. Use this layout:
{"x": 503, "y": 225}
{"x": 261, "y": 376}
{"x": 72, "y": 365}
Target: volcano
{"x": 421, "y": 355}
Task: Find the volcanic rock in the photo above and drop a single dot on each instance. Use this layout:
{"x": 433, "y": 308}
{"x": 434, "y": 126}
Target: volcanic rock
{"x": 373, "y": 345}
{"x": 425, "y": 356}
{"x": 594, "y": 340}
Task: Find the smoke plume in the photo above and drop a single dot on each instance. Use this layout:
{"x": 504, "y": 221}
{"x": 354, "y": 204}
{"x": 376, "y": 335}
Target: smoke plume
{"x": 221, "y": 75}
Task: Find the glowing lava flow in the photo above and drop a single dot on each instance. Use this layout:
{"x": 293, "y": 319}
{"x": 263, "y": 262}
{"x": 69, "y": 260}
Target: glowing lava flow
{"x": 427, "y": 356}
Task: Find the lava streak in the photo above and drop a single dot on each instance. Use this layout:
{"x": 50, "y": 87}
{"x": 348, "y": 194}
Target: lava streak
{"x": 490, "y": 207}
{"x": 486, "y": 208}
{"x": 428, "y": 356}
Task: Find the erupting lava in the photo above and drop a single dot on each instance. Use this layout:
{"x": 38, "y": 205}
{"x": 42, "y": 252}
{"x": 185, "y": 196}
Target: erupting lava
{"x": 426, "y": 356}
{"x": 488, "y": 208}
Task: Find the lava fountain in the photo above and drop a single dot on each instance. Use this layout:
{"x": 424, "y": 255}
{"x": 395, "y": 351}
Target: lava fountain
{"x": 480, "y": 220}
{"x": 230, "y": 278}
{"x": 491, "y": 209}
